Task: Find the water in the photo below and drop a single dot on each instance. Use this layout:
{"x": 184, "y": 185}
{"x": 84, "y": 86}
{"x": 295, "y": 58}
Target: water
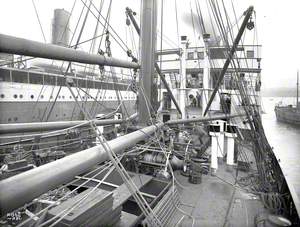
{"x": 285, "y": 139}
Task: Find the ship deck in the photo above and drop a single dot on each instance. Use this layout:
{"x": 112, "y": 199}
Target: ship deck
{"x": 216, "y": 201}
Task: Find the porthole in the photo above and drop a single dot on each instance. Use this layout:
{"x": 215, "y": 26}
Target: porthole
{"x": 2, "y": 96}
{"x": 51, "y": 97}
{"x": 59, "y": 96}
{"x": 9, "y": 120}
{"x": 15, "y": 118}
{"x": 21, "y": 96}
{"x": 42, "y": 96}
{"x": 31, "y": 96}
{"x": 70, "y": 97}
{"x": 15, "y": 96}
{"x": 63, "y": 97}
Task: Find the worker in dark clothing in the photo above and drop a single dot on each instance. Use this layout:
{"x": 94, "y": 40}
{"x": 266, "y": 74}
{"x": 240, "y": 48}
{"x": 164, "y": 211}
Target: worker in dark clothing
{"x": 35, "y": 147}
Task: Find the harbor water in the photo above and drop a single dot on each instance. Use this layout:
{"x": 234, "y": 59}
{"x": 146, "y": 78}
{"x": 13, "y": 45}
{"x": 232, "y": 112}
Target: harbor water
{"x": 284, "y": 138}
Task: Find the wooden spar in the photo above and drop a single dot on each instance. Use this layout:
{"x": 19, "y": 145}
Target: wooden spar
{"x": 56, "y": 125}
{"x": 24, "y": 187}
{"x": 14, "y": 45}
{"x": 203, "y": 119}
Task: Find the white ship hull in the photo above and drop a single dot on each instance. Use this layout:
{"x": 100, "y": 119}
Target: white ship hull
{"x": 20, "y": 102}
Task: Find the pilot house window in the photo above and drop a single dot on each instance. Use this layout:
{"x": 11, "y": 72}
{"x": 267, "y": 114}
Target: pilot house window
{"x": 19, "y": 77}
{"x": 200, "y": 55}
{"x": 35, "y": 78}
{"x": 190, "y": 56}
{"x": 250, "y": 54}
{"x": 5, "y": 75}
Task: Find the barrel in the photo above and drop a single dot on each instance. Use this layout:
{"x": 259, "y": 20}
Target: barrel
{"x": 195, "y": 176}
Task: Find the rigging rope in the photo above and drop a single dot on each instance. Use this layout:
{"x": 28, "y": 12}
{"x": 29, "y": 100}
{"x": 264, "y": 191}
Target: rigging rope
{"x": 263, "y": 154}
{"x": 69, "y": 65}
{"x": 177, "y": 25}
{"x": 77, "y": 24}
{"x": 38, "y": 18}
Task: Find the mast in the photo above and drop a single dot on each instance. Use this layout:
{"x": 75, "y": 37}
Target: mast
{"x": 182, "y": 89}
{"x": 162, "y": 77}
{"x": 147, "y": 45}
{"x": 297, "y": 99}
{"x": 206, "y": 74}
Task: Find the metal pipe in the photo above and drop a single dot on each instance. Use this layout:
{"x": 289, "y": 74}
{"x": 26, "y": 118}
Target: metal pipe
{"x": 230, "y": 56}
{"x": 162, "y": 77}
{"x": 48, "y": 126}
{"x": 23, "y": 188}
{"x": 14, "y": 45}
{"x": 203, "y": 119}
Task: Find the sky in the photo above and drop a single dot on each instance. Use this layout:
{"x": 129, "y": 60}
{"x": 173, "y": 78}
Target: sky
{"x": 277, "y": 26}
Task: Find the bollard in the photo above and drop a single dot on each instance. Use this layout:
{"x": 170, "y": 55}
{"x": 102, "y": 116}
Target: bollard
{"x": 221, "y": 150}
{"x": 230, "y": 134}
{"x": 214, "y": 132}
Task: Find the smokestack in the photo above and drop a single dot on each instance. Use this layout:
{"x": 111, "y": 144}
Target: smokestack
{"x": 60, "y": 27}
